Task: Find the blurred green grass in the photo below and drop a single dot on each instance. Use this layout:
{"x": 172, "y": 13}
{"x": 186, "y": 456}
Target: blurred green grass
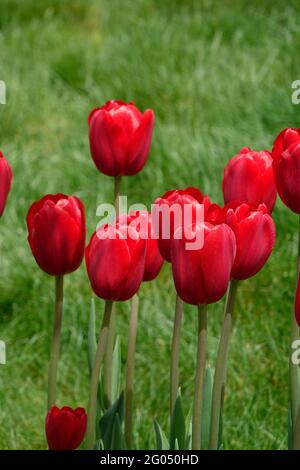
{"x": 218, "y": 75}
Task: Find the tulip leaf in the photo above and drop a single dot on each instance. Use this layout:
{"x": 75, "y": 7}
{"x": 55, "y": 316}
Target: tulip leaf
{"x": 178, "y": 425}
{"x": 206, "y": 409}
{"x": 162, "y": 442}
{"x": 117, "y": 441}
{"x": 92, "y": 342}
{"x": 106, "y": 423}
{"x": 188, "y": 427}
{"x": 116, "y": 370}
{"x": 98, "y": 445}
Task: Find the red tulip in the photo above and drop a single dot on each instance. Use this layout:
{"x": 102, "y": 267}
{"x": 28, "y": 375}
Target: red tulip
{"x": 248, "y": 177}
{"x": 120, "y": 138}
{"x": 6, "y": 176}
{"x": 65, "y": 427}
{"x": 254, "y": 231}
{"x": 56, "y": 233}
{"x": 286, "y": 164}
{"x": 202, "y": 275}
{"x": 115, "y": 261}
{"x": 165, "y": 223}
{"x": 142, "y": 221}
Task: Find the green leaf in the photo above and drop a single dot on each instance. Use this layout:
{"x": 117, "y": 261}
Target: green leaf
{"x": 178, "y": 425}
{"x": 98, "y": 445}
{"x": 116, "y": 370}
{"x": 117, "y": 441}
{"x": 176, "y": 447}
{"x": 188, "y": 427}
{"x": 162, "y": 442}
{"x": 206, "y": 409}
{"x": 106, "y": 423}
{"x": 92, "y": 342}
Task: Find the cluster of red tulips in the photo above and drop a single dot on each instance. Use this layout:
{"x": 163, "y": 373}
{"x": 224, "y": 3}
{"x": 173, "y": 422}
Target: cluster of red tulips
{"x": 237, "y": 240}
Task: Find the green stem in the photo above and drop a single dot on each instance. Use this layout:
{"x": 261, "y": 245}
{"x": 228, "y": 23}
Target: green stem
{"x": 174, "y": 369}
{"x": 199, "y": 380}
{"x": 130, "y": 370}
{"x": 108, "y": 359}
{"x": 296, "y": 441}
{"x": 293, "y": 368}
{"x": 54, "y": 355}
{"x": 101, "y": 347}
{"x": 112, "y": 330}
{"x": 221, "y": 365}
{"x": 118, "y": 182}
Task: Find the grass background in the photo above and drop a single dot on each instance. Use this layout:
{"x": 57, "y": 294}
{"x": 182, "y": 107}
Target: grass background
{"x": 218, "y": 75}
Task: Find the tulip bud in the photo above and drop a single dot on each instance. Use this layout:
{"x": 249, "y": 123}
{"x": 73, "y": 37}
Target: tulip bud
{"x": 6, "y": 176}
{"x": 254, "y": 231}
{"x": 286, "y": 165}
{"x": 142, "y": 221}
{"x": 202, "y": 275}
{"x": 56, "y": 233}
{"x": 120, "y": 138}
{"x": 176, "y": 208}
{"x": 248, "y": 177}
{"x": 65, "y": 427}
{"x": 115, "y": 261}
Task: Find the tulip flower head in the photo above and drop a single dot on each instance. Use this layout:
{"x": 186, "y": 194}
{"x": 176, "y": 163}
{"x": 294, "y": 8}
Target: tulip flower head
{"x": 254, "y": 231}
{"x": 176, "y": 208}
{"x": 142, "y": 221}
{"x": 286, "y": 164}
{"x": 6, "y": 176}
{"x": 202, "y": 275}
{"x": 56, "y": 233}
{"x": 248, "y": 177}
{"x": 65, "y": 427}
{"x": 120, "y": 138}
{"x": 115, "y": 261}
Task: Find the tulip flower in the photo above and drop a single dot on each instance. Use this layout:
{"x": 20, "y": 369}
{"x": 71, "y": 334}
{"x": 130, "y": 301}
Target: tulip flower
{"x": 6, "y": 176}
{"x": 65, "y": 427}
{"x": 115, "y": 261}
{"x": 56, "y": 235}
{"x": 120, "y": 138}
{"x": 286, "y": 164}
{"x": 176, "y": 208}
{"x": 248, "y": 177}
{"x": 254, "y": 232}
{"x": 142, "y": 221}
{"x": 201, "y": 275}
{"x": 166, "y": 220}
